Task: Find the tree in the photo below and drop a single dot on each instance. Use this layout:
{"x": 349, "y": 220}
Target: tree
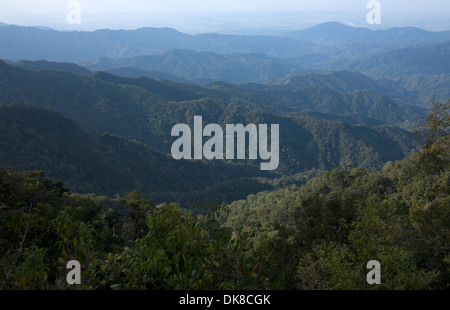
{"x": 137, "y": 206}
{"x": 434, "y": 136}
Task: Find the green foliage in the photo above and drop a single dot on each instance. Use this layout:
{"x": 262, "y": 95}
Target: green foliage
{"x": 40, "y": 225}
{"x": 434, "y": 135}
{"x": 137, "y": 207}
{"x": 317, "y": 236}
{"x": 174, "y": 254}
{"x": 338, "y": 222}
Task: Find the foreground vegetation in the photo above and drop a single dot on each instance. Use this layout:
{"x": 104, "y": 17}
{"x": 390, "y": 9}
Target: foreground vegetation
{"x": 317, "y": 236}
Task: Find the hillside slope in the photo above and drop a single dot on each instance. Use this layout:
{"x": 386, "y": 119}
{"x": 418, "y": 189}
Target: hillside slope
{"x": 146, "y": 110}
{"x": 37, "y": 138}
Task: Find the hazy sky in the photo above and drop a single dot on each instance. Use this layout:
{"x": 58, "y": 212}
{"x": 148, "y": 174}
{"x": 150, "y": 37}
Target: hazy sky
{"x": 105, "y": 6}
{"x": 132, "y": 14}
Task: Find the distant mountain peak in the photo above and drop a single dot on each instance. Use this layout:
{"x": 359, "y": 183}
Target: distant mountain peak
{"x": 331, "y": 25}
{"x": 334, "y": 33}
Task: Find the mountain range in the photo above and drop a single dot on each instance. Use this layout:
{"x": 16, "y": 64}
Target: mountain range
{"x": 333, "y": 33}
{"x": 340, "y": 94}
{"x": 410, "y": 56}
{"x": 33, "y": 43}
{"x": 88, "y": 122}
{"x": 144, "y": 110}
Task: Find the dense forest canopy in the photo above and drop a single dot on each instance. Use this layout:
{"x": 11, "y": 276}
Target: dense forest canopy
{"x": 316, "y": 236}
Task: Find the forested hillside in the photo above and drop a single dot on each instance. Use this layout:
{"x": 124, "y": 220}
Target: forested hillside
{"x": 403, "y": 62}
{"x": 36, "y": 138}
{"x": 317, "y": 236}
{"x": 206, "y": 66}
{"x": 146, "y": 110}
{"x": 421, "y": 69}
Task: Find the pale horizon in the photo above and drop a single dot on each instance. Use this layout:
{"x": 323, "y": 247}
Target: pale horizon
{"x": 232, "y": 16}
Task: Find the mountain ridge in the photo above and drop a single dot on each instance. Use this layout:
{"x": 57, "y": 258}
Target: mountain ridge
{"x": 33, "y": 43}
{"x": 340, "y": 34}
{"x": 39, "y": 138}
{"x": 146, "y": 110}
{"x": 206, "y": 65}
